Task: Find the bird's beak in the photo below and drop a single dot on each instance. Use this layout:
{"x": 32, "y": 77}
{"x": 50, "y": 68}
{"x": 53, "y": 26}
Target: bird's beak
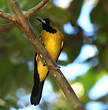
{"x": 41, "y": 20}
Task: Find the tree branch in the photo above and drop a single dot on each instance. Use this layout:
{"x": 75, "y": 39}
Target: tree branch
{"x": 7, "y": 16}
{"x": 26, "y": 13}
{"x": 33, "y": 37}
{"x": 36, "y": 8}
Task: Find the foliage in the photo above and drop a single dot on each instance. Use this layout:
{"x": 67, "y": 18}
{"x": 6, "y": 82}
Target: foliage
{"x": 16, "y": 52}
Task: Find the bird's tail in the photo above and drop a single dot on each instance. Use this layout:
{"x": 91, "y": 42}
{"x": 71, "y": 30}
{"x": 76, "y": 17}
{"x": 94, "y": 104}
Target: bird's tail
{"x": 36, "y": 93}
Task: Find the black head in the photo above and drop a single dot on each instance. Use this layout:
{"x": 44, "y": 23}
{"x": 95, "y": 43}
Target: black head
{"x": 46, "y": 25}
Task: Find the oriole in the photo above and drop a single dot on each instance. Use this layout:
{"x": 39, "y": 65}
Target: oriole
{"x": 52, "y": 40}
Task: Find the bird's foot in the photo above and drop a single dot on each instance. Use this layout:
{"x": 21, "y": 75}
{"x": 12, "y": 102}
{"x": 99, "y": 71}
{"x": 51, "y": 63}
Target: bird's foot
{"x": 43, "y": 60}
{"x": 52, "y": 68}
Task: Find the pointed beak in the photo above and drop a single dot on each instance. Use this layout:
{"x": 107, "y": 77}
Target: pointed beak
{"x": 41, "y": 20}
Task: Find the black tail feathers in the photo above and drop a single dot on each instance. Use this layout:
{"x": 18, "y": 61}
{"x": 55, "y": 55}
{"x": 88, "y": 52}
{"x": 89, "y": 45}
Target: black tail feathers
{"x": 36, "y": 93}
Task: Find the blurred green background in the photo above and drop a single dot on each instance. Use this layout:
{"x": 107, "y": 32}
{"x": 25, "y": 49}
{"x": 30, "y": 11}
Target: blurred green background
{"x": 83, "y": 61}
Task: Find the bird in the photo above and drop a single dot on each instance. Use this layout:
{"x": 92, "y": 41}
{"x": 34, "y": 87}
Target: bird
{"x": 52, "y": 40}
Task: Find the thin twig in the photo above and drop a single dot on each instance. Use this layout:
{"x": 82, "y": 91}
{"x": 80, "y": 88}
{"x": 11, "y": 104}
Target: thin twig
{"x": 36, "y": 8}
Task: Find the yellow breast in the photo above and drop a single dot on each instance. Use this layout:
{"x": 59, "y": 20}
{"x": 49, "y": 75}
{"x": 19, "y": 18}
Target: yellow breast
{"x": 53, "y": 42}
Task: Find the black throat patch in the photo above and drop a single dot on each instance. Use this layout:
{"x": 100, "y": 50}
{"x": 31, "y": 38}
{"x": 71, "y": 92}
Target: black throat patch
{"x": 48, "y": 28}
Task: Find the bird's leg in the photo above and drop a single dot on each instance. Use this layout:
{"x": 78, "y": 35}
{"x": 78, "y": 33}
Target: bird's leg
{"x": 54, "y": 68}
{"x": 42, "y": 60}
{"x": 44, "y": 63}
{"x": 57, "y": 68}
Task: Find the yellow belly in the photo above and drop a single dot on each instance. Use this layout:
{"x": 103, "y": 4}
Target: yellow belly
{"x": 53, "y": 44}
